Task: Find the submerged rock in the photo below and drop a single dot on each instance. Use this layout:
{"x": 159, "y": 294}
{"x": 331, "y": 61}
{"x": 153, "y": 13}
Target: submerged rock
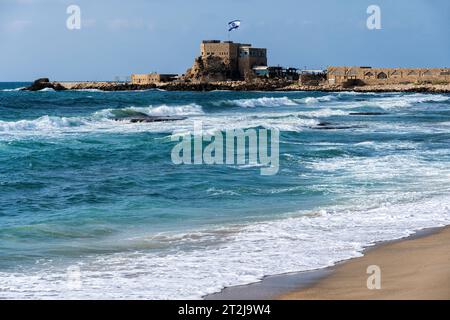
{"x": 367, "y": 113}
{"x": 147, "y": 118}
{"x": 330, "y": 126}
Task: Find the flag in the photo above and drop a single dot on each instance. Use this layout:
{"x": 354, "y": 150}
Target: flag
{"x": 234, "y": 25}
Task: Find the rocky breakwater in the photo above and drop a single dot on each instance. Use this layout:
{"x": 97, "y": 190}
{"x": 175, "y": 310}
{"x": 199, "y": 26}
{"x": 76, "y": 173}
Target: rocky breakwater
{"x": 44, "y": 83}
{"x": 255, "y": 85}
{"x": 259, "y": 85}
{"x": 251, "y": 85}
{"x": 107, "y": 86}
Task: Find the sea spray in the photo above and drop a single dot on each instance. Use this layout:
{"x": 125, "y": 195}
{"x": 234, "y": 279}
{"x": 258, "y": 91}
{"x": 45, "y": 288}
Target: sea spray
{"x": 228, "y": 148}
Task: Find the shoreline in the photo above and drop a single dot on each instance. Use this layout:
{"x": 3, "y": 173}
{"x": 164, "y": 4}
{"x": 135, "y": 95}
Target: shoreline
{"x": 341, "y": 281}
{"x": 241, "y": 86}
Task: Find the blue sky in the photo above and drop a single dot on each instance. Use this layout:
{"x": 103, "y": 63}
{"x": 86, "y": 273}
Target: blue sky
{"x": 119, "y": 37}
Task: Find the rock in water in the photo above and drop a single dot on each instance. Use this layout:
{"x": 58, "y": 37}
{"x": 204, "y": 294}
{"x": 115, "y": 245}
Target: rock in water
{"x": 42, "y": 80}
{"x": 330, "y": 126}
{"x": 367, "y": 113}
{"x": 44, "y": 83}
{"x": 147, "y": 118}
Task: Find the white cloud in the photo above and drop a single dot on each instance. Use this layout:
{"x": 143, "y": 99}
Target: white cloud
{"x": 88, "y": 23}
{"x": 17, "y": 25}
{"x": 121, "y": 24}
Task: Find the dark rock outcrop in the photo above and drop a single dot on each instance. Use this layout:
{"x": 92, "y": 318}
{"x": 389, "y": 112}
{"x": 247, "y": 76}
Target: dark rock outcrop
{"x": 210, "y": 68}
{"x": 110, "y": 86}
{"x": 367, "y": 113}
{"x": 256, "y": 85}
{"x": 44, "y": 83}
{"x": 331, "y": 126}
{"x": 147, "y": 119}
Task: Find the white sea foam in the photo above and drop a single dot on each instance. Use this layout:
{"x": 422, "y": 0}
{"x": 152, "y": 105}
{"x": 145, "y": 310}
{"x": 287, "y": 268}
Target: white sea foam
{"x": 232, "y": 255}
{"x": 399, "y": 101}
{"x": 165, "y": 110}
{"x": 259, "y": 102}
{"x": 220, "y": 192}
{"x": 315, "y": 100}
{"x": 324, "y": 112}
{"x": 12, "y": 90}
{"x": 91, "y": 90}
{"x": 295, "y": 120}
{"x": 41, "y": 124}
{"x": 104, "y": 121}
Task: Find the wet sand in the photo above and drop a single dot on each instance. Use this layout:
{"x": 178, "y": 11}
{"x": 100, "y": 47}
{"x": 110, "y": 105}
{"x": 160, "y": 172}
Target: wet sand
{"x": 413, "y": 268}
{"x": 416, "y": 267}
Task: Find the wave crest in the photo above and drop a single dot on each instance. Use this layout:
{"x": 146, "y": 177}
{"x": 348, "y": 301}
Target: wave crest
{"x": 259, "y": 102}
{"x": 42, "y": 123}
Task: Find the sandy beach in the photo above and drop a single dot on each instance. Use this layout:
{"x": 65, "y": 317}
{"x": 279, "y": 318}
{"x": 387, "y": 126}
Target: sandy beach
{"x": 414, "y": 268}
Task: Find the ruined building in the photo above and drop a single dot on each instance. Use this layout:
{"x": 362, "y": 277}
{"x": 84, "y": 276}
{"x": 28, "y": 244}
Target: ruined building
{"x": 152, "y": 78}
{"x": 226, "y": 60}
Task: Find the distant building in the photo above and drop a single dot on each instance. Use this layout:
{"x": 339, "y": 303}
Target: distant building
{"x": 261, "y": 71}
{"x": 312, "y": 77}
{"x": 276, "y": 72}
{"x": 152, "y": 78}
{"x": 249, "y": 58}
{"x": 369, "y": 75}
{"x": 241, "y": 58}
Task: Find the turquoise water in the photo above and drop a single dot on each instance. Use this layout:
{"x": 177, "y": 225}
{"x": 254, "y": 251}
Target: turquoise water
{"x": 78, "y": 188}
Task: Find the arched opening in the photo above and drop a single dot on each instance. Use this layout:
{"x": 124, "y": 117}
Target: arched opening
{"x": 382, "y": 75}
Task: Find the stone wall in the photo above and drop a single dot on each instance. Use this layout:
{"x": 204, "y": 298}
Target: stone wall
{"x": 310, "y": 79}
{"x": 151, "y": 78}
{"x": 375, "y": 76}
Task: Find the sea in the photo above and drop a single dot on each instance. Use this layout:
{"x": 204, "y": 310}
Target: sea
{"x": 92, "y": 206}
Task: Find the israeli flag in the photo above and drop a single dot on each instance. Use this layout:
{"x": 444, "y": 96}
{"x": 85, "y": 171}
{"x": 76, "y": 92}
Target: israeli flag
{"x": 234, "y": 25}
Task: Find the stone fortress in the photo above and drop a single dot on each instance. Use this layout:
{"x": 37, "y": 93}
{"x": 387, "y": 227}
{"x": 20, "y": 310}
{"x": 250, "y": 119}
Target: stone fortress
{"x": 218, "y": 61}
{"x": 229, "y": 61}
{"x": 241, "y": 58}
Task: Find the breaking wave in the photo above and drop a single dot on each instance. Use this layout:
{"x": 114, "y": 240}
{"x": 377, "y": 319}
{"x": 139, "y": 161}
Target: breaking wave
{"x": 12, "y": 90}
{"x": 99, "y": 119}
{"x": 403, "y": 101}
{"x": 105, "y": 120}
{"x": 229, "y": 256}
{"x": 259, "y": 102}
{"x": 40, "y": 124}
{"x": 163, "y": 110}
{"x": 313, "y": 100}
